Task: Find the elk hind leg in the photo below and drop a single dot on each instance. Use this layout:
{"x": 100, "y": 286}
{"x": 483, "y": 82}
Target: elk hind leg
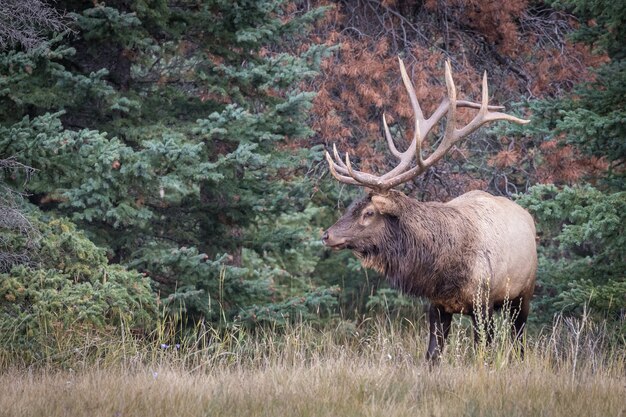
{"x": 519, "y": 323}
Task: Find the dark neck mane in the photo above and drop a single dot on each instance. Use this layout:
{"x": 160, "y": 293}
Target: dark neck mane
{"x": 426, "y": 252}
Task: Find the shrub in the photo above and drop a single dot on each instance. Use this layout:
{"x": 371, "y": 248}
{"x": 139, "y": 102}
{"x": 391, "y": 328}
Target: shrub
{"x": 69, "y": 294}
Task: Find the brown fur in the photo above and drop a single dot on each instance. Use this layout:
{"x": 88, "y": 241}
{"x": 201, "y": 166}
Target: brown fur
{"x": 445, "y": 252}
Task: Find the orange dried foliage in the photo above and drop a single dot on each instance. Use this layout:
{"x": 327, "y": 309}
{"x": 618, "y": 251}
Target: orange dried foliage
{"x": 216, "y": 97}
{"x": 555, "y": 71}
{"x": 505, "y": 158}
{"x": 493, "y": 19}
{"x": 465, "y": 183}
{"x": 564, "y": 164}
{"x": 362, "y": 80}
{"x": 291, "y": 8}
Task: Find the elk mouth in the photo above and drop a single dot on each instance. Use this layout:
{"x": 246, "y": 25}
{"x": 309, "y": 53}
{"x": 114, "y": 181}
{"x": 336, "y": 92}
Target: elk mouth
{"x": 338, "y": 246}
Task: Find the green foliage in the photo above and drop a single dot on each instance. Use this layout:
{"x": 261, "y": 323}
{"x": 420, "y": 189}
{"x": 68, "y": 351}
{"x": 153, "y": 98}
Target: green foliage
{"x": 594, "y": 116}
{"x": 107, "y": 22}
{"x": 593, "y": 119}
{"x": 163, "y": 132}
{"x": 310, "y": 307}
{"x": 604, "y": 23}
{"x": 392, "y": 303}
{"x": 596, "y": 120}
{"x": 72, "y": 292}
{"x": 583, "y": 249}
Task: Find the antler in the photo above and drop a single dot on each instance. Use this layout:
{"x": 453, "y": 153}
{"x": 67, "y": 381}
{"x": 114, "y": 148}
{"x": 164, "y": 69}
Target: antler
{"x": 344, "y": 172}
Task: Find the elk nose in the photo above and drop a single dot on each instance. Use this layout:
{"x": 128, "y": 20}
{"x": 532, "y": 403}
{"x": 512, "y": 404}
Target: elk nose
{"x": 325, "y": 237}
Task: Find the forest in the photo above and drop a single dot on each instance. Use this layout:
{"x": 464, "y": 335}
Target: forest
{"x": 164, "y": 190}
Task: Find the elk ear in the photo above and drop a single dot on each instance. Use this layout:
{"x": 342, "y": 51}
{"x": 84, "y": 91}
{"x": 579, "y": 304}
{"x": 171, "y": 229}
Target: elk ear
{"x": 384, "y": 205}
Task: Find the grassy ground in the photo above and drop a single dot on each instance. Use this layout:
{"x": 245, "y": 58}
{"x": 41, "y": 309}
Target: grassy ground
{"x": 373, "y": 370}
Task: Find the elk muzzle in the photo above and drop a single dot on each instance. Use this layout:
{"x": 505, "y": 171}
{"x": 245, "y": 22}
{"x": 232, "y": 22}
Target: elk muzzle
{"x": 331, "y": 240}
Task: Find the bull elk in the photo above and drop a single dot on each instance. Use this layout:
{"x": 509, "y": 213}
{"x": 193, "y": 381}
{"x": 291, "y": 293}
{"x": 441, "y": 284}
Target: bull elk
{"x": 445, "y": 252}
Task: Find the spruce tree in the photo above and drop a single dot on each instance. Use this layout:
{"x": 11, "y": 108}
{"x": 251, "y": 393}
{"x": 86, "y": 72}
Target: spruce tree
{"x": 582, "y": 259}
{"x": 163, "y": 131}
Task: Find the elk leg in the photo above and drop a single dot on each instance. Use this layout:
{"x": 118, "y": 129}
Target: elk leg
{"x": 440, "y": 322}
{"x": 520, "y": 322}
{"x": 522, "y": 316}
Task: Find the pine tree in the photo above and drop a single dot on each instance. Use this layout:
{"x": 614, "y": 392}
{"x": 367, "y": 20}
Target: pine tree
{"x": 582, "y": 253}
{"x": 582, "y": 227}
{"x": 66, "y": 294}
{"x": 164, "y": 133}
{"x": 594, "y": 117}
{"x": 17, "y": 234}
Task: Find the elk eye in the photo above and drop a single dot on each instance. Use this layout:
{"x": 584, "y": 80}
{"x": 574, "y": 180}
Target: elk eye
{"x": 368, "y": 213}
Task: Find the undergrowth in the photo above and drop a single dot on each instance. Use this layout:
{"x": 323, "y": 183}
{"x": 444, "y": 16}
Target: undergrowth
{"x": 581, "y": 344}
{"x": 376, "y": 367}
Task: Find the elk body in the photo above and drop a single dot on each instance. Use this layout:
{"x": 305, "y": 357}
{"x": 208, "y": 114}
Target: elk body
{"x": 476, "y": 245}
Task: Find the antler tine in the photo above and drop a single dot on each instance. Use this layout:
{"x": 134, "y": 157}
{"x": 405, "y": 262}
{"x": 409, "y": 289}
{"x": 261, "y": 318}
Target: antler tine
{"x": 392, "y": 146}
{"x": 415, "y": 147}
{"x": 453, "y": 135}
{"x": 339, "y": 177}
{"x": 451, "y": 106}
{"x": 343, "y": 172}
{"x": 338, "y": 158}
{"x": 493, "y": 116}
{"x": 337, "y": 163}
{"x": 365, "y": 179}
{"x": 484, "y": 102}
{"x": 484, "y": 115}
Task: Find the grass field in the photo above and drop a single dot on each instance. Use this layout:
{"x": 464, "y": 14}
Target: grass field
{"x": 376, "y": 369}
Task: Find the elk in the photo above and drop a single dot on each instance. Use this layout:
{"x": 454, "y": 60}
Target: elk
{"x": 445, "y": 252}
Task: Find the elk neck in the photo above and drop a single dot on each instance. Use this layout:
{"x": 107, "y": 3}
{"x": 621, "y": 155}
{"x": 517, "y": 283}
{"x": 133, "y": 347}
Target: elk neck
{"x": 428, "y": 250}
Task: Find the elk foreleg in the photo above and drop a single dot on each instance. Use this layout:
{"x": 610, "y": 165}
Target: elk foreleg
{"x": 440, "y": 322}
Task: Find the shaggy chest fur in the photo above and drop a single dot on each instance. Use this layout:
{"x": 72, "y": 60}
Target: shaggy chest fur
{"x": 428, "y": 258}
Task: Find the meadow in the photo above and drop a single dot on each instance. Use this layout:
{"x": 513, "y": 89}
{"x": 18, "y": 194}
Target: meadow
{"x": 376, "y": 368}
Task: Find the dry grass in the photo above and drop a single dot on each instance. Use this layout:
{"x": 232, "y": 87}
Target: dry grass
{"x": 335, "y": 387}
{"x": 369, "y": 371}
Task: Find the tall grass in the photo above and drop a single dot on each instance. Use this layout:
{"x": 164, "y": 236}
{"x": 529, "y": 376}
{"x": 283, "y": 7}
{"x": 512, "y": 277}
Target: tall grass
{"x": 375, "y": 368}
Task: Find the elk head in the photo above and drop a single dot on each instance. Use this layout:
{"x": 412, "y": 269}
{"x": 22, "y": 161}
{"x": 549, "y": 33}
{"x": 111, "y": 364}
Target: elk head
{"x": 366, "y": 218}
{"x": 365, "y": 223}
